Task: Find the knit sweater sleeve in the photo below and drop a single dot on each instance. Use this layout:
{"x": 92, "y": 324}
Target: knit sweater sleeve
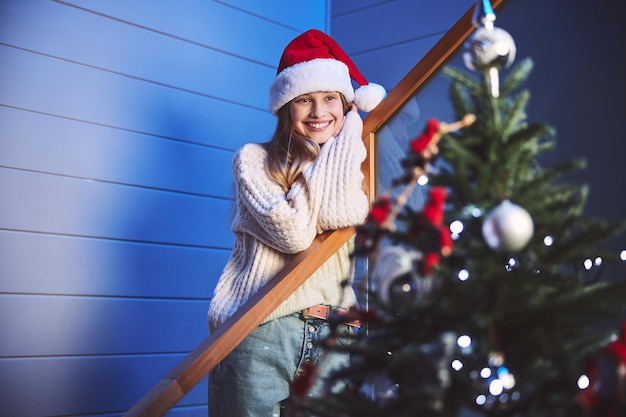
{"x": 285, "y": 222}
{"x": 327, "y": 196}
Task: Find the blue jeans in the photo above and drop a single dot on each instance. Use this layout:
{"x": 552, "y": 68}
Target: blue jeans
{"x": 253, "y": 380}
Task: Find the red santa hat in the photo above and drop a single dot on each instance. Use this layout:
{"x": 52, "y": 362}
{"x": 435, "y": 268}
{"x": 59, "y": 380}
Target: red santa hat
{"x": 314, "y": 62}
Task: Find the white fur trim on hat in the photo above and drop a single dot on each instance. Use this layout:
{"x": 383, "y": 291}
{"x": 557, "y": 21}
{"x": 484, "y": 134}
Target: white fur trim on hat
{"x": 320, "y": 74}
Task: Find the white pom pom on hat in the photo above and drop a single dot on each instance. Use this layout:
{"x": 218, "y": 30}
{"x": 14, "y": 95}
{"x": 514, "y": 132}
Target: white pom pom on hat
{"x": 313, "y": 62}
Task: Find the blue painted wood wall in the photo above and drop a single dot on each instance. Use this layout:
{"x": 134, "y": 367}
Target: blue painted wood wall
{"x": 118, "y": 121}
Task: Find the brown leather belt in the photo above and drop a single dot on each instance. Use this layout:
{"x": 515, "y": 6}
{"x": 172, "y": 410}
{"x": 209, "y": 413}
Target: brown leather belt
{"x": 323, "y": 312}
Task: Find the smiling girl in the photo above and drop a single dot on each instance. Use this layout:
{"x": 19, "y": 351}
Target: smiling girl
{"x": 303, "y": 182}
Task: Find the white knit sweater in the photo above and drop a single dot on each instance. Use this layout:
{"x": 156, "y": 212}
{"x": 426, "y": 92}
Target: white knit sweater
{"x": 271, "y": 227}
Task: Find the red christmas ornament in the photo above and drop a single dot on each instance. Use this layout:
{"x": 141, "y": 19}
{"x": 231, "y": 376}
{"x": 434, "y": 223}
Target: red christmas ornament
{"x": 606, "y": 394}
{"x": 434, "y": 229}
{"x": 371, "y": 232}
{"x": 429, "y": 136}
{"x": 434, "y": 207}
{"x": 617, "y": 348}
{"x": 381, "y": 209}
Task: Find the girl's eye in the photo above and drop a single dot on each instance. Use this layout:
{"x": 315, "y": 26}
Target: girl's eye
{"x": 332, "y": 97}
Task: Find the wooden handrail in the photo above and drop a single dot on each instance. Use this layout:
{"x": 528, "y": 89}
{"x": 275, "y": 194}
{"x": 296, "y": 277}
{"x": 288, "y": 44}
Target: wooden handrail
{"x": 197, "y": 364}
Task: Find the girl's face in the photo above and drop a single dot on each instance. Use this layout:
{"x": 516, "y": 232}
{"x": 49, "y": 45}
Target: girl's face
{"x": 317, "y": 116}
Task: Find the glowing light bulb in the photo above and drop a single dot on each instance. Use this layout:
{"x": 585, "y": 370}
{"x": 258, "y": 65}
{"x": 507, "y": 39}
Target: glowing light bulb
{"x": 457, "y": 365}
{"x": 464, "y": 341}
{"x": 463, "y": 275}
{"x": 456, "y": 226}
{"x": 495, "y": 387}
{"x": 510, "y": 264}
{"x": 548, "y": 240}
{"x": 583, "y": 382}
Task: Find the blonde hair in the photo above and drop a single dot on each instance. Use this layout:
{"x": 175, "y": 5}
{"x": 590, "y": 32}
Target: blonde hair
{"x": 288, "y": 151}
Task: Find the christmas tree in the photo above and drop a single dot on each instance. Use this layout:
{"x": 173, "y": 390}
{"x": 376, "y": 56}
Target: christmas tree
{"x": 493, "y": 299}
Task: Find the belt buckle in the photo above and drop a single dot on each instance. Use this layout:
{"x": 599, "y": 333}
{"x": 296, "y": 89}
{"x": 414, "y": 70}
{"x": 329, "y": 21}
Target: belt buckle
{"x": 305, "y": 314}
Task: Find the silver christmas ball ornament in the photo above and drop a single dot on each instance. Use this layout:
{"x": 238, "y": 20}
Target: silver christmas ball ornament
{"x": 394, "y": 274}
{"x": 395, "y": 277}
{"x": 489, "y": 47}
{"x": 508, "y": 227}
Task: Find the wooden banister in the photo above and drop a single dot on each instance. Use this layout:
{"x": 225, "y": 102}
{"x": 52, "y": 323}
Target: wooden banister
{"x": 197, "y": 364}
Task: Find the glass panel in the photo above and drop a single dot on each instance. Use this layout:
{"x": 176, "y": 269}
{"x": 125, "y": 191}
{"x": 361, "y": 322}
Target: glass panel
{"x": 392, "y": 140}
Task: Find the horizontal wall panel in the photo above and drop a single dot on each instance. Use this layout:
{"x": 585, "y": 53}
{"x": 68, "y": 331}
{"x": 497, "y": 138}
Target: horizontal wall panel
{"x": 61, "y": 325}
{"x": 84, "y": 385}
{"x": 106, "y": 267}
{"x": 341, "y": 7}
{"x": 302, "y": 15}
{"x": 73, "y": 34}
{"x": 55, "y": 145}
{"x": 394, "y": 25}
{"x": 197, "y": 411}
{"x": 404, "y": 57}
{"x": 35, "y": 82}
{"x": 211, "y": 23}
{"x": 52, "y": 204}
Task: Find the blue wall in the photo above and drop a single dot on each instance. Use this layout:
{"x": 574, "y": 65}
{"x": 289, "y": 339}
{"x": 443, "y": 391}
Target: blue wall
{"x": 118, "y": 121}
